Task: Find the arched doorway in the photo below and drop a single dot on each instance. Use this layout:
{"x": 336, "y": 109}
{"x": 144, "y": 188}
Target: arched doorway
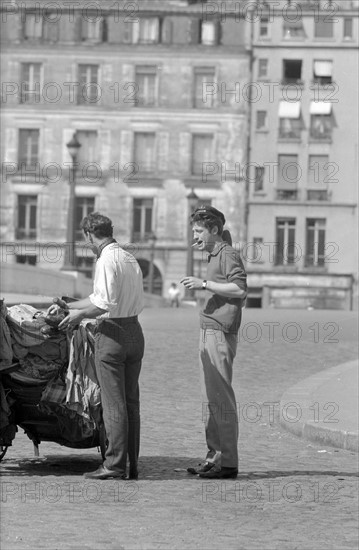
{"x": 157, "y": 277}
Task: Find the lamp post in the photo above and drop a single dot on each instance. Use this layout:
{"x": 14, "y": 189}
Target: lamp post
{"x": 192, "y": 199}
{"x": 152, "y": 242}
{"x": 73, "y": 147}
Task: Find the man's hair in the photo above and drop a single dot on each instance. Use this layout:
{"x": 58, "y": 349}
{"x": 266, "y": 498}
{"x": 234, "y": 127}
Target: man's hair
{"x": 100, "y": 226}
{"x": 209, "y": 217}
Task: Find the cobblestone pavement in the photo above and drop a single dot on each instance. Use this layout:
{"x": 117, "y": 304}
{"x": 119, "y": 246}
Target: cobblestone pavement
{"x": 291, "y": 494}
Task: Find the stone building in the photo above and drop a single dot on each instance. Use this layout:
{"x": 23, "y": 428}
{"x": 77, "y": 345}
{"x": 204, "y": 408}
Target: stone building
{"x": 302, "y": 217}
{"x": 250, "y": 104}
{"x": 140, "y": 84}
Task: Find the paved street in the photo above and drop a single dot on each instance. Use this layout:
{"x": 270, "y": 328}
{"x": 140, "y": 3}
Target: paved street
{"x": 291, "y": 494}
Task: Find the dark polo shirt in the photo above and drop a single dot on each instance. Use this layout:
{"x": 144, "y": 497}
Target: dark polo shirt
{"x": 219, "y": 312}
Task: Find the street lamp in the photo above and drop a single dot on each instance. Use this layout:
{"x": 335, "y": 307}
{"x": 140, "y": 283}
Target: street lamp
{"x": 152, "y": 242}
{"x": 73, "y": 147}
{"x": 192, "y": 199}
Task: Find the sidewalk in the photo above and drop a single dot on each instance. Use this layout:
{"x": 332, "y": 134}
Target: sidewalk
{"x": 43, "y": 302}
{"x": 324, "y": 407}
{"x": 38, "y": 301}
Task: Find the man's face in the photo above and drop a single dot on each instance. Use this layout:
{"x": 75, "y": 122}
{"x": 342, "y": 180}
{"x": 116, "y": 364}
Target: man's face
{"x": 205, "y": 238}
{"x": 90, "y": 243}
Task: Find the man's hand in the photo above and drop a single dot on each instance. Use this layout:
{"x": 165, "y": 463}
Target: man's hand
{"x": 57, "y": 305}
{"x": 53, "y": 310}
{"x": 74, "y": 317}
{"x": 192, "y": 283}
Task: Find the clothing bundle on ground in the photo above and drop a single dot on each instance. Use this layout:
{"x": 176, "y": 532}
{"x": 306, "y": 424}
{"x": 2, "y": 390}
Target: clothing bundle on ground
{"x": 49, "y": 368}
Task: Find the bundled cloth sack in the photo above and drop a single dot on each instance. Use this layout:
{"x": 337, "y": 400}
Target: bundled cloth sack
{"x": 6, "y": 354}
{"x": 40, "y": 354}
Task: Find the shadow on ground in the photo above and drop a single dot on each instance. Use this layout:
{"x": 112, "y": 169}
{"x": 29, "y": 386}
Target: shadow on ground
{"x": 150, "y": 468}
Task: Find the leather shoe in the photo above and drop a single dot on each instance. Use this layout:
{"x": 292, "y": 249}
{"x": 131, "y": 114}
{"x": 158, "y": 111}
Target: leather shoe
{"x": 220, "y": 473}
{"x": 104, "y": 473}
{"x": 133, "y": 474}
{"x": 206, "y": 467}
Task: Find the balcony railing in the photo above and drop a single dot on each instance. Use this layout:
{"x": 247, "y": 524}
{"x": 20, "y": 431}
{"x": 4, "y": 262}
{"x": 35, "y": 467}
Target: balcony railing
{"x": 287, "y": 194}
{"x": 21, "y": 233}
{"x": 317, "y": 195}
{"x": 289, "y": 134}
{"x": 321, "y": 135}
{"x": 297, "y": 81}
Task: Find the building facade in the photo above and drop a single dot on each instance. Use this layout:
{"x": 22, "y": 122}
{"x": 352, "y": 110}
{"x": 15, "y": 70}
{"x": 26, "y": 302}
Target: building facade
{"x": 140, "y": 86}
{"x": 302, "y": 205}
{"x": 250, "y": 106}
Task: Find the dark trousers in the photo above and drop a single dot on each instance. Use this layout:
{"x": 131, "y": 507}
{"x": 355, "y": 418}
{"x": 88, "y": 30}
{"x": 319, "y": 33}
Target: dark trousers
{"x": 119, "y": 348}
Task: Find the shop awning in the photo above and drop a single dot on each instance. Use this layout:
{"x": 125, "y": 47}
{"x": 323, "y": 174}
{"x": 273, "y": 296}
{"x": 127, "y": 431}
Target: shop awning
{"x": 323, "y": 68}
{"x": 320, "y": 108}
{"x": 289, "y": 109}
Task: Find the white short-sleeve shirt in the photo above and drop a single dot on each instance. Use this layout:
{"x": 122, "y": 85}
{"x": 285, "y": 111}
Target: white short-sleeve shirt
{"x": 118, "y": 284}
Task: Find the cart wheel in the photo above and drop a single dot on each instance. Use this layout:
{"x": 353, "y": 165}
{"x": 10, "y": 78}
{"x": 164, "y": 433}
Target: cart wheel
{"x": 103, "y": 440}
{"x": 3, "y": 450}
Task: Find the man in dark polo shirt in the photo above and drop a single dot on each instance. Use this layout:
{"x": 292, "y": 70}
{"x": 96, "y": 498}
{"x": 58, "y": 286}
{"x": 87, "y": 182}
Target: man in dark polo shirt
{"x": 226, "y": 288}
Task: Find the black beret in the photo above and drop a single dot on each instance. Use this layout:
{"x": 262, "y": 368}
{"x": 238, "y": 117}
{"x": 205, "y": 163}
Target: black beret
{"x": 206, "y": 210}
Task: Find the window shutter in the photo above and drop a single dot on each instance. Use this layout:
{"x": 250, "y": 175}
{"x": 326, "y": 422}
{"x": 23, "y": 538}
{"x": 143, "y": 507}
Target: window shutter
{"x": 184, "y": 161}
{"x": 218, "y": 33}
{"x": 126, "y": 151}
{"x": 105, "y": 140}
{"x": 47, "y": 146}
{"x": 11, "y": 143}
{"x": 195, "y": 31}
{"x": 166, "y": 37}
{"x": 163, "y": 150}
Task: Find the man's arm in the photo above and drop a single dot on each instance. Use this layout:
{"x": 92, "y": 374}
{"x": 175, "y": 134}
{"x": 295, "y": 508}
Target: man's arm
{"x": 228, "y": 290}
{"x": 87, "y": 310}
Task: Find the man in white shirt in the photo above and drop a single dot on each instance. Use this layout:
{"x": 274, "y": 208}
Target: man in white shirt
{"x": 116, "y": 301}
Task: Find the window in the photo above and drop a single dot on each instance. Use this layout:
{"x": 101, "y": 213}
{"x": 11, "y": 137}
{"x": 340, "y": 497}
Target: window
{"x": 262, "y": 120}
{"x": 323, "y": 26}
{"x": 29, "y": 259}
{"x": 203, "y": 98}
{"x": 88, "y": 152}
{"x": 292, "y": 71}
{"x": 51, "y": 28}
{"x": 142, "y": 219}
{"x": 83, "y": 207}
{"x": 94, "y": 30}
{"x": 315, "y": 243}
{"x": 28, "y": 153}
{"x": 288, "y": 176}
{"x": 322, "y": 72}
{"x": 145, "y": 151}
{"x": 321, "y": 120}
{"x": 146, "y": 82}
{"x": 293, "y": 29}
{"x": 348, "y": 28}
{"x": 317, "y": 177}
{"x": 259, "y": 178}
{"x": 264, "y": 25}
{"x": 146, "y": 30}
{"x": 262, "y": 68}
{"x": 209, "y": 33}
{"x": 31, "y": 82}
{"x": 285, "y": 250}
{"x": 202, "y": 145}
{"x": 26, "y": 217}
{"x": 88, "y": 89}
{"x": 85, "y": 265}
{"x": 33, "y": 26}
{"x": 290, "y": 120}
